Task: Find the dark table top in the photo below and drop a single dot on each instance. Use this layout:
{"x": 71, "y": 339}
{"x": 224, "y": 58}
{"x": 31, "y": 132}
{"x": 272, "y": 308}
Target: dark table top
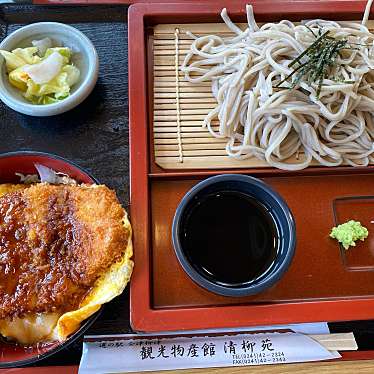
{"x": 95, "y": 136}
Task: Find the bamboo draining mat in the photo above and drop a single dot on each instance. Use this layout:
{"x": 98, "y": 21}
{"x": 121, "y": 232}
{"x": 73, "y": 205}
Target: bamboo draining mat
{"x": 180, "y": 141}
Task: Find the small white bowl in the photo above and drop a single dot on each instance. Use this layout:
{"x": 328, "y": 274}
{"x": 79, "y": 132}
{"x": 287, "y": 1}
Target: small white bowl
{"x": 84, "y": 58}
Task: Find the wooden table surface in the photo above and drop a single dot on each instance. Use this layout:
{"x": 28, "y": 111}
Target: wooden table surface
{"x": 333, "y": 367}
{"x": 366, "y": 366}
{"x": 95, "y": 135}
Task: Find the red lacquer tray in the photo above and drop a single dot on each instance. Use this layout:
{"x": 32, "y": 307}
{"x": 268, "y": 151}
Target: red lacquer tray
{"x": 323, "y": 284}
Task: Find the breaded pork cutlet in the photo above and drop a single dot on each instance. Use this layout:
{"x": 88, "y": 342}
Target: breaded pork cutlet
{"x": 55, "y": 241}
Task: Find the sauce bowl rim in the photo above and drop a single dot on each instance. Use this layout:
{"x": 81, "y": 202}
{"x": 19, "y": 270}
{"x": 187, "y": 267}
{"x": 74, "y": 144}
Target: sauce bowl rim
{"x": 277, "y": 271}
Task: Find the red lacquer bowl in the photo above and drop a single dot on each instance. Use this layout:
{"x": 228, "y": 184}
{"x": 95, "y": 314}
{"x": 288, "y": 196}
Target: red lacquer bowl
{"x": 13, "y": 355}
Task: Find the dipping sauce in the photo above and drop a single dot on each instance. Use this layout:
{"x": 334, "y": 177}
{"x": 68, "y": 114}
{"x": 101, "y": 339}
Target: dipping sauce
{"x": 229, "y": 237}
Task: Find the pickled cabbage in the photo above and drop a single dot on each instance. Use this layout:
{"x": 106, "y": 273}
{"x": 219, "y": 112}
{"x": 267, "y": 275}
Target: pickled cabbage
{"x": 43, "y": 75}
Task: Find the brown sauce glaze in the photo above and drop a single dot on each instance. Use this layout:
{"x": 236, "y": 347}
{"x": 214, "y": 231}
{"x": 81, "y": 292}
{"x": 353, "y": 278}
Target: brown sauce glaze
{"x": 54, "y": 243}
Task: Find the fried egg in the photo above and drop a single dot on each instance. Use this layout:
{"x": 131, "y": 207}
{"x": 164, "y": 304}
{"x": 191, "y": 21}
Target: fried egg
{"x": 64, "y": 252}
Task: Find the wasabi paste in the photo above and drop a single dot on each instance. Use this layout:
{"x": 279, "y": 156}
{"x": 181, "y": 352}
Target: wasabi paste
{"x": 347, "y": 233}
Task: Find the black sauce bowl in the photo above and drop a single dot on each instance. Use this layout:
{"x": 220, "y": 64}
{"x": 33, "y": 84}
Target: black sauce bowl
{"x": 278, "y": 212}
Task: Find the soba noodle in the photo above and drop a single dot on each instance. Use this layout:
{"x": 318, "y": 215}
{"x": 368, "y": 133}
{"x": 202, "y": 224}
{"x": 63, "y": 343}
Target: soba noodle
{"x": 289, "y": 128}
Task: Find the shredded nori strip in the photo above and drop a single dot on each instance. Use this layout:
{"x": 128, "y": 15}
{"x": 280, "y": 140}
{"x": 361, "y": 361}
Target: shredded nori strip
{"x": 320, "y": 56}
